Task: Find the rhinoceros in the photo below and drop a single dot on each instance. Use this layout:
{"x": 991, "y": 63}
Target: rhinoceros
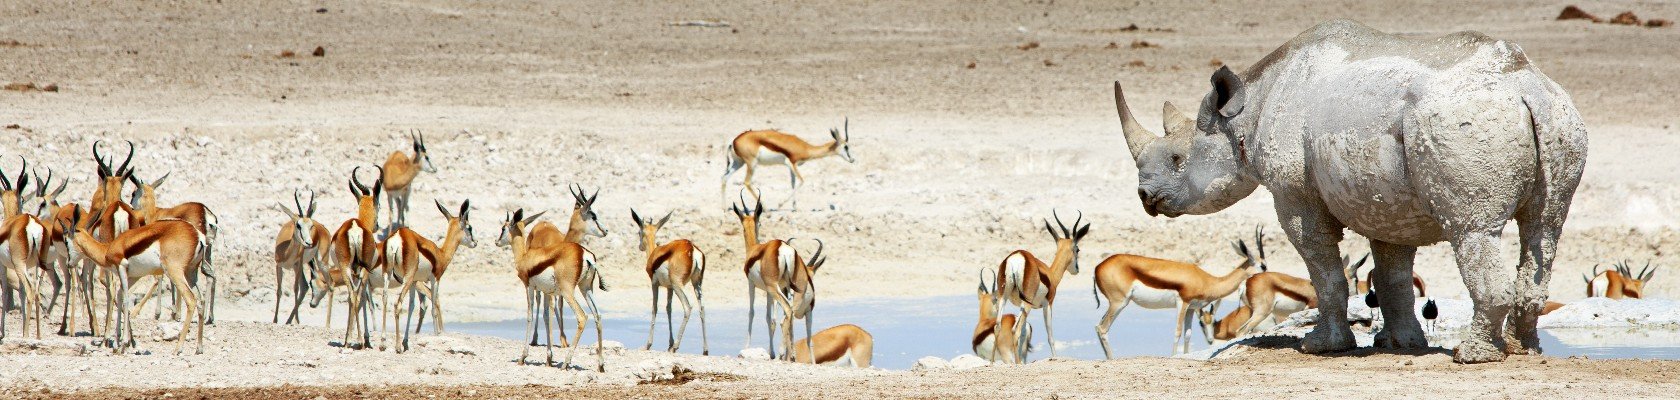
{"x": 1406, "y": 141}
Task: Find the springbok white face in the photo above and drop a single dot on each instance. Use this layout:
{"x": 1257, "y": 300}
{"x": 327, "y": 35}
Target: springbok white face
{"x": 1197, "y": 167}
{"x": 303, "y": 219}
{"x": 584, "y": 208}
{"x": 420, "y": 153}
{"x": 842, "y": 142}
{"x": 467, "y": 237}
{"x": 1069, "y": 237}
{"x": 515, "y": 225}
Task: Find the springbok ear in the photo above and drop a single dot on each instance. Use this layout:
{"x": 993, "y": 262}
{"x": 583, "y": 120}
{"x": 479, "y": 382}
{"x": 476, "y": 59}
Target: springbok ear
{"x": 1051, "y": 230}
{"x": 466, "y": 207}
{"x": 442, "y": 209}
{"x": 667, "y": 218}
{"x": 635, "y": 217}
{"x": 834, "y": 133}
{"x": 1082, "y": 231}
{"x": 1229, "y": 92}
{"x": 159, "y": 182}
{"x": 517, "y": 216}
{"x": 533, "y": 217}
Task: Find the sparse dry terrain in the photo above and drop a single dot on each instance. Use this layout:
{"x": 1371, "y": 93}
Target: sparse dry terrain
{"x": 970, "y": 121}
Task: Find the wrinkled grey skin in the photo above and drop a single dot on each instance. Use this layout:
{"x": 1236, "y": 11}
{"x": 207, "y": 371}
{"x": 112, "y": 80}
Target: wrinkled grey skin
{"x": 1406, "y": 141}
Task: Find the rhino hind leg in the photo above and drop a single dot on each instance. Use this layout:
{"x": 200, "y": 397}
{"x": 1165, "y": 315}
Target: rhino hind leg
{"x": 1491, "y": 290}
{"x": 1537, "y": 247}
{"x": 1393, "y": 277}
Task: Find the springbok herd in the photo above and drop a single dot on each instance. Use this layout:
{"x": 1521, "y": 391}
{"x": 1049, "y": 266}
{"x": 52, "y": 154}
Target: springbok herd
{"x": 1411, "y": 182}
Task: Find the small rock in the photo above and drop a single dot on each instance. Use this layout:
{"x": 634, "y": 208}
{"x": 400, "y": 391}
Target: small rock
{"x": 1625, "y": 18}
{"x": 319, "y": 52}
{"x": 755, "y": 354}
{"x": 1658, "y": 23}
{"x": 167, "y": 331}
{"x": 654, "y": 370}
{"x": 968, "y": 361}
{"x": 462, "y": 350}
{"x": 1573, "y": 12}
{"x": 930, "y": 363}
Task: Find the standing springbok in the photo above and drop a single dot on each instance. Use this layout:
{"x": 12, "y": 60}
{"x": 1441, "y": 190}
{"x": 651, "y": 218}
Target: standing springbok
{"x": 398, "y": 177}
{"x": 296, "y": 252}
{"x": 1619, "y": 282}
{"x": 1161, "y": 284}
{"x": 22, "y": 246}
{"x": 1363, "y": 286}
{"x": 169, "y": 247}
{"x": 1031, "y": 284}
{"x": 423, "y": 262}
{"x": 673, "y": 266}
{"x": 769, "y": 267}
{"x": 1275, "y": 296}
{"x": 564, "y": 270}
{"x": 997, "y": 332}
{"x": 584, "y": 222}
{"x": 844, "y": 343}
{"x": 76, "y": 276}
{"x": 144, "y": 201}
{"x": 355, "y": 249}
{"x": 752, "y": 148}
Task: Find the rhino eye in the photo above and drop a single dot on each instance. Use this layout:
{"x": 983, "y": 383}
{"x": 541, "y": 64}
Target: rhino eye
{"x": 1178, "y": 162}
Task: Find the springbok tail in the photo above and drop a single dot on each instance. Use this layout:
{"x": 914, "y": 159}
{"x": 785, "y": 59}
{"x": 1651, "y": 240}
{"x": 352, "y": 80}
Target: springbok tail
{"x": 590, "y": 265}
{"x": 699, "y": 260}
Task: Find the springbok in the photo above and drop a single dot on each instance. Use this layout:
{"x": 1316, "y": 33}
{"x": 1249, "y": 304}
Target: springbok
{"x": 22, "y": 246}
{"x": 673, "y": 266}
{"x": 1275, "y": 296}
{"x": 169, "y": 247}
{"x": 755, "y": 147}
{"x": 355, "y": 249}
{"x": 564, "y": 270}
{"x": 423, "y": 262}
{"x": 1619, "y": 282}
{"x": 844, "y": 343}
{"x": 995, "y": 331}
{"x": 769, "y": 267}
{"x": 398, "y": 177}
{"x": 76, "y": 276}
{"x": 1161, "y": 284}
{"x": 144, "y": 201}
{"x": 584, "y": 222}
{"x": 803, "y": 289}
{"x": 1030, "y": 284}
{"x": 296, "y": 252}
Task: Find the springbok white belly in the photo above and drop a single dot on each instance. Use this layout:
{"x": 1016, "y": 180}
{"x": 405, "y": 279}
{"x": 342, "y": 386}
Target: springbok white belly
{"x": 1284, "y": 306}
{"x": 1152, "y": 298}
{"x": 544, "y": 282}
{"x": 147, "y": 263}
{"x": 984, "y": 349}
{"x": 766, "y": 156}
{"x": 662, "y": 276}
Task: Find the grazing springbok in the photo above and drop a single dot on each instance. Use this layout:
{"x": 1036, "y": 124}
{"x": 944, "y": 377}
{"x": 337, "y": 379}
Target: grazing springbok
{"x": 422, "y": 262}
{"x": 144, "y": 201}
{"x": 296, "y": 252}
{"x": 995, "y": 331}
{"x": 355, "y": 249}
{"x": 398, "y": 177}
{"x": 564, "y": 270}
{"x": 769, "y": 267}
{"x": 752, "y": 148}
{"x": 171, "y": 248}
{"x": 23, "y": 243}
{"x": 1619, "y": 282}
{"x": 673, "y": 266}
{"x": 1161, "y": 284}
{"x": 844, "y": 343}
{"x": 1029, "y": 283}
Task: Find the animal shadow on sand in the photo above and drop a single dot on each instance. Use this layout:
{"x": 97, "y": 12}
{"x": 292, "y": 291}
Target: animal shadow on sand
{"x": 1279, "y": 342}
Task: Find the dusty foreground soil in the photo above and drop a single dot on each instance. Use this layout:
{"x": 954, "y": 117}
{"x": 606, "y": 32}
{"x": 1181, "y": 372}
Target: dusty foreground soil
{"x": 267, "y": 361}
{"x": 971, "y": 121}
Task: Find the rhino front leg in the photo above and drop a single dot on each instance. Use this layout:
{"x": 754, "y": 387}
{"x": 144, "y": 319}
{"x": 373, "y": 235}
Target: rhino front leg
{"x": 1393, "y": 278}
{"x": 1317, "y": 236}
{"x": 1491, "y": 290}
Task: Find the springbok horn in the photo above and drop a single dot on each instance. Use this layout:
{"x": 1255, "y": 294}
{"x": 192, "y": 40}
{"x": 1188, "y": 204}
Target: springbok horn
{"x": 124, "y": 168}
{"x": 356, "y": 181}
{"x": 848, "y": 125}
{"x": 1059, "y": 223}
{"x": 23, "y": 175}
{"x": 297, "y": 200}
{"x": 817, "y": 255}
{"x": 1076, "y": 220}
{"x": 1136, "y": 135}
{"x": 1259, "y": 240}
{"x": 104, "y": 170}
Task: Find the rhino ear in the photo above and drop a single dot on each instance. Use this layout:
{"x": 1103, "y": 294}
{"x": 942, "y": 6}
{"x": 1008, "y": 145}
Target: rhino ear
{"x": 1228, "y": 91}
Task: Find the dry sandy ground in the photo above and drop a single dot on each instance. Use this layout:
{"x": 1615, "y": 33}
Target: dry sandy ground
{"x": 956, "y": 164}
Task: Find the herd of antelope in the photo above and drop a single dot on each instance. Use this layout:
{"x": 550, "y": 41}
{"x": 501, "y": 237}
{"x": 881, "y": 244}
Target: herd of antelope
{"x": 110, "y": 243}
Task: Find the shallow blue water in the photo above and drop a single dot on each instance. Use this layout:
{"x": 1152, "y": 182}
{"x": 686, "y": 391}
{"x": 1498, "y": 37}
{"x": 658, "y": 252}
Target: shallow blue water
{"x": 908, "y": 329}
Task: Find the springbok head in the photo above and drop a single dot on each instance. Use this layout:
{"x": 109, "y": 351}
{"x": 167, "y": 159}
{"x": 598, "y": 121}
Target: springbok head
{"x": 842, "y": 141}
{"x": 420, "y": 155}
{"x": 649, "y": 228}
{"x": 1067, "y": 240}
{"x": 514, "y": 226}
{"x": 583, "y": 212}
